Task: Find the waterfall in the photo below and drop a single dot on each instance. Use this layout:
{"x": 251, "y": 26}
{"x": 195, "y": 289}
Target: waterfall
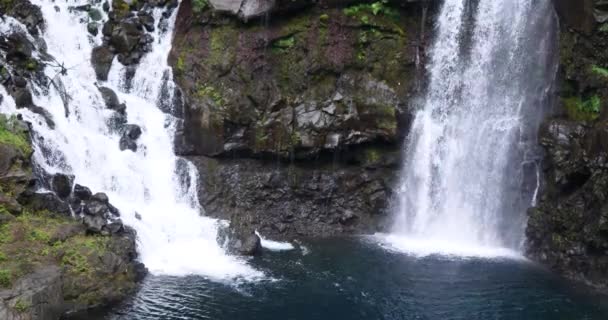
{"x": 471, "y": 158}
{"x": 152, "y": 183}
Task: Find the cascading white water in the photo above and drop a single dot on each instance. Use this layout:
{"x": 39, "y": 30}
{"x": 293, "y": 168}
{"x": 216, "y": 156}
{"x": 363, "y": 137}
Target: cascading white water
{"x": 471, "y": 152}
{"x": 174, "y": 239}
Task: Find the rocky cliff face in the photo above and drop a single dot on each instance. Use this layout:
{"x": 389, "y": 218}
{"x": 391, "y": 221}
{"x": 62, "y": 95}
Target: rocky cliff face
{"x": 51, "y": 262}
{"x": 568, "y": 229}
{"x": 63, "y": 250}
{"x": 295, "y": 118}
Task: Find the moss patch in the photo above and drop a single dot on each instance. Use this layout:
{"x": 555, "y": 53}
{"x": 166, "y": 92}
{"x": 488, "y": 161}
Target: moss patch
{"x": 583, "y": 109}
{"x": 603, "y": 72}
{"x": 10, "y": 135}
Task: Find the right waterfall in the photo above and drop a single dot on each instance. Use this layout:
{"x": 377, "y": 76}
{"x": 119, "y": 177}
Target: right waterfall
{"x": 471, "y": 159}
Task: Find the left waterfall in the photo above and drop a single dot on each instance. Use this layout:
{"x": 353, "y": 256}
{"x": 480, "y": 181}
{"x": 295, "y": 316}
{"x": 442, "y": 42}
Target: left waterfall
{"x": 155, "y": 191}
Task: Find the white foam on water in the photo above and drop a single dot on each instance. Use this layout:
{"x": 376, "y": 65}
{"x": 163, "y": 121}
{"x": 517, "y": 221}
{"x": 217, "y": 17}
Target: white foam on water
{"x": 173, "y": 236}
{"x": 275, "y": 245}
{"x": 421, "y": 248}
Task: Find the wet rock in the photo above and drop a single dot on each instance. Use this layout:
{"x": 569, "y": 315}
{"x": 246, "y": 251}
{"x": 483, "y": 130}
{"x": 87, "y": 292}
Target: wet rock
{"x": 566, "y": 230}
{"x": 20, "y": 49}
{"x": 147, "y": 21}
{"x": 94, "y": 224}
{"x": 44, "y": 202}
{"x": 93, "y": 28}
{"x": 28, "y": 14}
{"x": 111, "y": 100}
{"x": 128, "y": 141}
{"x": 62, "y": 185}
{"x": 240, "y": 240}
{"x": 95, "y": 14}
{"x": 285, "y": 201}
{"x": 82, "y": 193}
{"x": 115, "y": 227}
{"x": 102, "y": 58}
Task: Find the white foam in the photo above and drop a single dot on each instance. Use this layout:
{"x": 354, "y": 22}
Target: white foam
{"x": 275, "y": 245}
{"x": 421, "y": 248}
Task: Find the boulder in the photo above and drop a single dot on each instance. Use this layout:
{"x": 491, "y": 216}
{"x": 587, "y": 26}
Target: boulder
{"x": 46, "y": 201}
{"x": 111, "y": 100}
{"x": 240, "y": 240}
{"x": 62, "y": 184}
{"x": 128, "y": 141}
{"x": 82, "y": 193}
{"x": 102, "y": 58}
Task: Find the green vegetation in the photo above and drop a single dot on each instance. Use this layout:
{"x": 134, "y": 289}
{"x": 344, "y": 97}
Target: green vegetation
{"x": 5, "y": 278}
{"x": 10, "y": 134}
{"x": 284, "y": 44}
{"x": 324, "y": 18}
{"x": 207, "y": 91}
{"x": 199, "y": 6}
{"x": 21, "y": 306}
{"x": 599, "y": 71}
{"x": 28, "y": 241}
{"x": 376, "y": 8}
{"x": 583, "y": 110}
{"x": 180, "y": 66}
{"x": 7, "y": 4}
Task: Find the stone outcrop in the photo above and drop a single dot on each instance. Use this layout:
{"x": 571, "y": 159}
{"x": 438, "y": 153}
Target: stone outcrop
{"x": 126, "y": 33}
{"x": 567, "y": 230}
{"x": 297, "y": 126}
{"x": 57, "y": 263}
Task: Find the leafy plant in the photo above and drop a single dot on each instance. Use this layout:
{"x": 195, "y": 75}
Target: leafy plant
{"x": 5, "y": 278}
{"x": 599, "y": 71}
{"x": 21, "y": 306}
{"x": 375, "y": 8}
{"x": 9, "y": 134}
{"x": 583, "y": 110}
{"x": 199, "y": 6}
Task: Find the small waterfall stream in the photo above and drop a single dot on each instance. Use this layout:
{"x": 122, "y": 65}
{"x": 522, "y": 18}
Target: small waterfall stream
{"x": 174, "y": 238}
{"x": 472, "y": 156}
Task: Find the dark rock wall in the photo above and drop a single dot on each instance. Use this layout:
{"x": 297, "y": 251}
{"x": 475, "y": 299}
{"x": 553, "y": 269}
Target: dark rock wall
{"x": 296, "y": 118}
{"x": 568, "y": 229}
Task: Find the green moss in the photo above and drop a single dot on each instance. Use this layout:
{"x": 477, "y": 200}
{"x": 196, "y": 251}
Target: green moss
{"x": 324, "y": 18}
{"x": 604, "y": 27}
{"x": 21, "y": 306}
{"x": 199, "y": 6}
{"x": 7, "y": 4}
{"x": 5, "y": 278}
{"x": 377, "y": 8}
{"x": 583, "y": 110}
{"x": 208, "y": 91}
{"x": 284, "y": 43}
{"x": 222, "y": 46}
{"x": 10, "y": 135}
{"x": 372, "y": 156}
{"x": 180, "y": 65}
{"x": 599, "y": 71}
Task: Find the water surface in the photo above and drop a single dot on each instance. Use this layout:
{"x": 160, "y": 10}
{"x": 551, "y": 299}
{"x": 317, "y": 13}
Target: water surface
{"x": 356, "y": 279}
